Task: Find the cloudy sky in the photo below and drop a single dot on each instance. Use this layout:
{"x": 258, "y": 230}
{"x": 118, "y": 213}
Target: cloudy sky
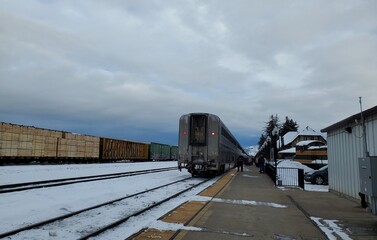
{"x": 130, "y": 69}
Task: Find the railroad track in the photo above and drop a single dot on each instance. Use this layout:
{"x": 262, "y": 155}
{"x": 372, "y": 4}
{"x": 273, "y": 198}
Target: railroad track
{"x": 66, "y": 181}
{"x": 92, "y": 221}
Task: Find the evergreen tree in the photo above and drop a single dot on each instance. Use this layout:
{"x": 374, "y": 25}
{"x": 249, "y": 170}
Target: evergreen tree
{"x": 288, "y": 126}
{"x": 262, "y": 139}
{"x": 270, "y": 125}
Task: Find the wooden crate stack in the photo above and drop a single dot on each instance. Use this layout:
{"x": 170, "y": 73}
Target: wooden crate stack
{"x": 15, "y": 140}
{"x": 25, "y": 141}
{"x": 78, "y": 146}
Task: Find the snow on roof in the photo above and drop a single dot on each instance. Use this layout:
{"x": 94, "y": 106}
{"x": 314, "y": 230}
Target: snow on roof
{"x": 289, "y": 150}
{"x": 308, "y": 131}
{"x": 307, "y": 142}
{"x": 318, "y": 147}
{"x": 289, "y": 137}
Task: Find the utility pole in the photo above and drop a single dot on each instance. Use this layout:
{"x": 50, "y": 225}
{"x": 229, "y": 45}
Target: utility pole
{"x": 366, "y": 153}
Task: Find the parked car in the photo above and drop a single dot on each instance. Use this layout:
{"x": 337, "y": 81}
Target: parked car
{"x": 319, "y": 176}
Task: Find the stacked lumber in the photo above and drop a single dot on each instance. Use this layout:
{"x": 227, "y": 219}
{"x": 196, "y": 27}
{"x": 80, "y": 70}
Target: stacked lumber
{"x": 31, "y": 142}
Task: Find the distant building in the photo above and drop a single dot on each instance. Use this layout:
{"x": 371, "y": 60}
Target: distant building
{"x": 345, "y": 146}
{"x": 287, "y": 153}
{"x": 286, "y": 144}
{"x": 290, "y": 139}
{"x": 312, "y": 153}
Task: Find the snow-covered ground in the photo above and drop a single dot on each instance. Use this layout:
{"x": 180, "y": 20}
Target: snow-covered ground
{"x": 308, "y": 186}
{"x": 26, "y": 207}
{"x": 31, "y": 173}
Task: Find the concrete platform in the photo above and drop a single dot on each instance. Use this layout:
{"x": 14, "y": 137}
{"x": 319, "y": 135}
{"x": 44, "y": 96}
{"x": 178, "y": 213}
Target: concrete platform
{"x": 247, "y": 205}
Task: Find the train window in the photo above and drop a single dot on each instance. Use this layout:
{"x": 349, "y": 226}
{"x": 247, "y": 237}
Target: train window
{"x": 198, "y": 130}
{"x": 228, "y": 136}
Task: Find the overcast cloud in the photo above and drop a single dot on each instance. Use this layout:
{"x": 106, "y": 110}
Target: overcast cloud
{"x": 130, "y": 69}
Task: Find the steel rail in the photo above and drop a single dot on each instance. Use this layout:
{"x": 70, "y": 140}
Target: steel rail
{"x": 48, "y": 221}
{"x": 120, "y": 221}
{"x": 66, "y": 181}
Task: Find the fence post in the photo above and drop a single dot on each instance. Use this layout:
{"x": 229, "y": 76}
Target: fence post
{"x": 301, "y": 181}
{"x": 270, "y": 171}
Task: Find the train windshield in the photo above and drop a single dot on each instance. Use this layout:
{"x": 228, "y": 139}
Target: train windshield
{"x": 198, "y": 130}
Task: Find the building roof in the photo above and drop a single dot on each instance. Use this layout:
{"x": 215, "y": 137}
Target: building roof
{"x": 289, "y": 150}
{"x": 289, "y": 137}
{"x": 307, "y": 142}
{"x": 308, "y": 131}
{"x": 351, "y": 120}
{"x": 317, "y": 147}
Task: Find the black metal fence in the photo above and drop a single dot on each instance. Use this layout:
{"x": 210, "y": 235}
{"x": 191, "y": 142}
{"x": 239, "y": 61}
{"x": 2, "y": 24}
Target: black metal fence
{"x": 285, "y": 176}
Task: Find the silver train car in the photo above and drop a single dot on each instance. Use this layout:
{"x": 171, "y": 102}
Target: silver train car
{"x": 206, "y": 146}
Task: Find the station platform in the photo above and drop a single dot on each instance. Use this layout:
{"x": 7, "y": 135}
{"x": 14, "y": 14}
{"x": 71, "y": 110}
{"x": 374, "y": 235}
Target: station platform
{"x": 247, "y": 205}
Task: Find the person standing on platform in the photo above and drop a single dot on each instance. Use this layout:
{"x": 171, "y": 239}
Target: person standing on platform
{"x": 240, "y": 163}
{"x": 262, "y": 164}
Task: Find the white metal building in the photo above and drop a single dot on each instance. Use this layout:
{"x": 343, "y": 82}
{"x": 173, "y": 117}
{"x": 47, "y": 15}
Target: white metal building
{"x": 345, "y": 147}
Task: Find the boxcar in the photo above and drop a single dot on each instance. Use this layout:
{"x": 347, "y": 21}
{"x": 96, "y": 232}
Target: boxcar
{"x": 206, "y": 146}
{"x": 174, "y": 153}
{"x": 114, "y": 149}
{"x": 23, "y": 144}
{"x": 159, "y": 151}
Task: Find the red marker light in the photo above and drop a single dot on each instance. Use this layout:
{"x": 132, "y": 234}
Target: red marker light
{"x": 184, "y": 133}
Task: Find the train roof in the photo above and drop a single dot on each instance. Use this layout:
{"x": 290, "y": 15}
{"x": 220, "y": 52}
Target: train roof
{"x": 211, "y": 114}
{"x": 200, "y": 113}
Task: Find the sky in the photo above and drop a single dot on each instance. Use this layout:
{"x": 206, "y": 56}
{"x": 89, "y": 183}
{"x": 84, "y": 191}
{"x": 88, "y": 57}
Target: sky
{"x": 130, "y": 69}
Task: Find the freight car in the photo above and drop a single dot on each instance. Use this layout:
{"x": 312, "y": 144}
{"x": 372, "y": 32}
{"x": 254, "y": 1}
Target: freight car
{"x": 114, "y": 149}
{"x": 174, "y": 153}
{"x": 206, "y": 146}
{"x": 25, "y": 144}
{"x": 159, "y": 152}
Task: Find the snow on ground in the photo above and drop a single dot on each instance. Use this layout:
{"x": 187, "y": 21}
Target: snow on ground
{"x": 39, "y": 204}
{"x": 293, "y": 164}
{"x": 316, "y": 188}
{"x": 22, "y": 208}
{"x": 31, "y": 173}
{"x": 77, "y": 226}
{"x": 331, "y": 229}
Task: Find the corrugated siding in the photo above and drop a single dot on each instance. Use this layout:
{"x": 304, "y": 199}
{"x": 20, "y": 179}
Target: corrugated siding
{"x": 344, "y": 149}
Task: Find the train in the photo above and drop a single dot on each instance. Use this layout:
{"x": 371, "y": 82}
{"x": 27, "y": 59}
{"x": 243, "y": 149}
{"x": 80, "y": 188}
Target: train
{"x": 25, "y": 144}
{"x": 206, "y": 146}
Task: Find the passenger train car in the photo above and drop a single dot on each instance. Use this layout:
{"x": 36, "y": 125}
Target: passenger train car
{"x": 206, "y": 146}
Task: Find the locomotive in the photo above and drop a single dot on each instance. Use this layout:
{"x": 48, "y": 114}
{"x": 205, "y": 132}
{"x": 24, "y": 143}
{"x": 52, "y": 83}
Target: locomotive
{"x": 205, "y": 145}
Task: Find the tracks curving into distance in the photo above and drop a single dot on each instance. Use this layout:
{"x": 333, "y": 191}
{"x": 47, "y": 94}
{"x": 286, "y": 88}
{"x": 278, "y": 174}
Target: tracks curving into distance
{"x": 95, "y": 220}
{"x": 66, "y": 181}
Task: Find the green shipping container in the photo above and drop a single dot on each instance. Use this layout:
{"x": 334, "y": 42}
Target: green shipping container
{"x": 174, "y": 153}
{"x": 159, "y": 152}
